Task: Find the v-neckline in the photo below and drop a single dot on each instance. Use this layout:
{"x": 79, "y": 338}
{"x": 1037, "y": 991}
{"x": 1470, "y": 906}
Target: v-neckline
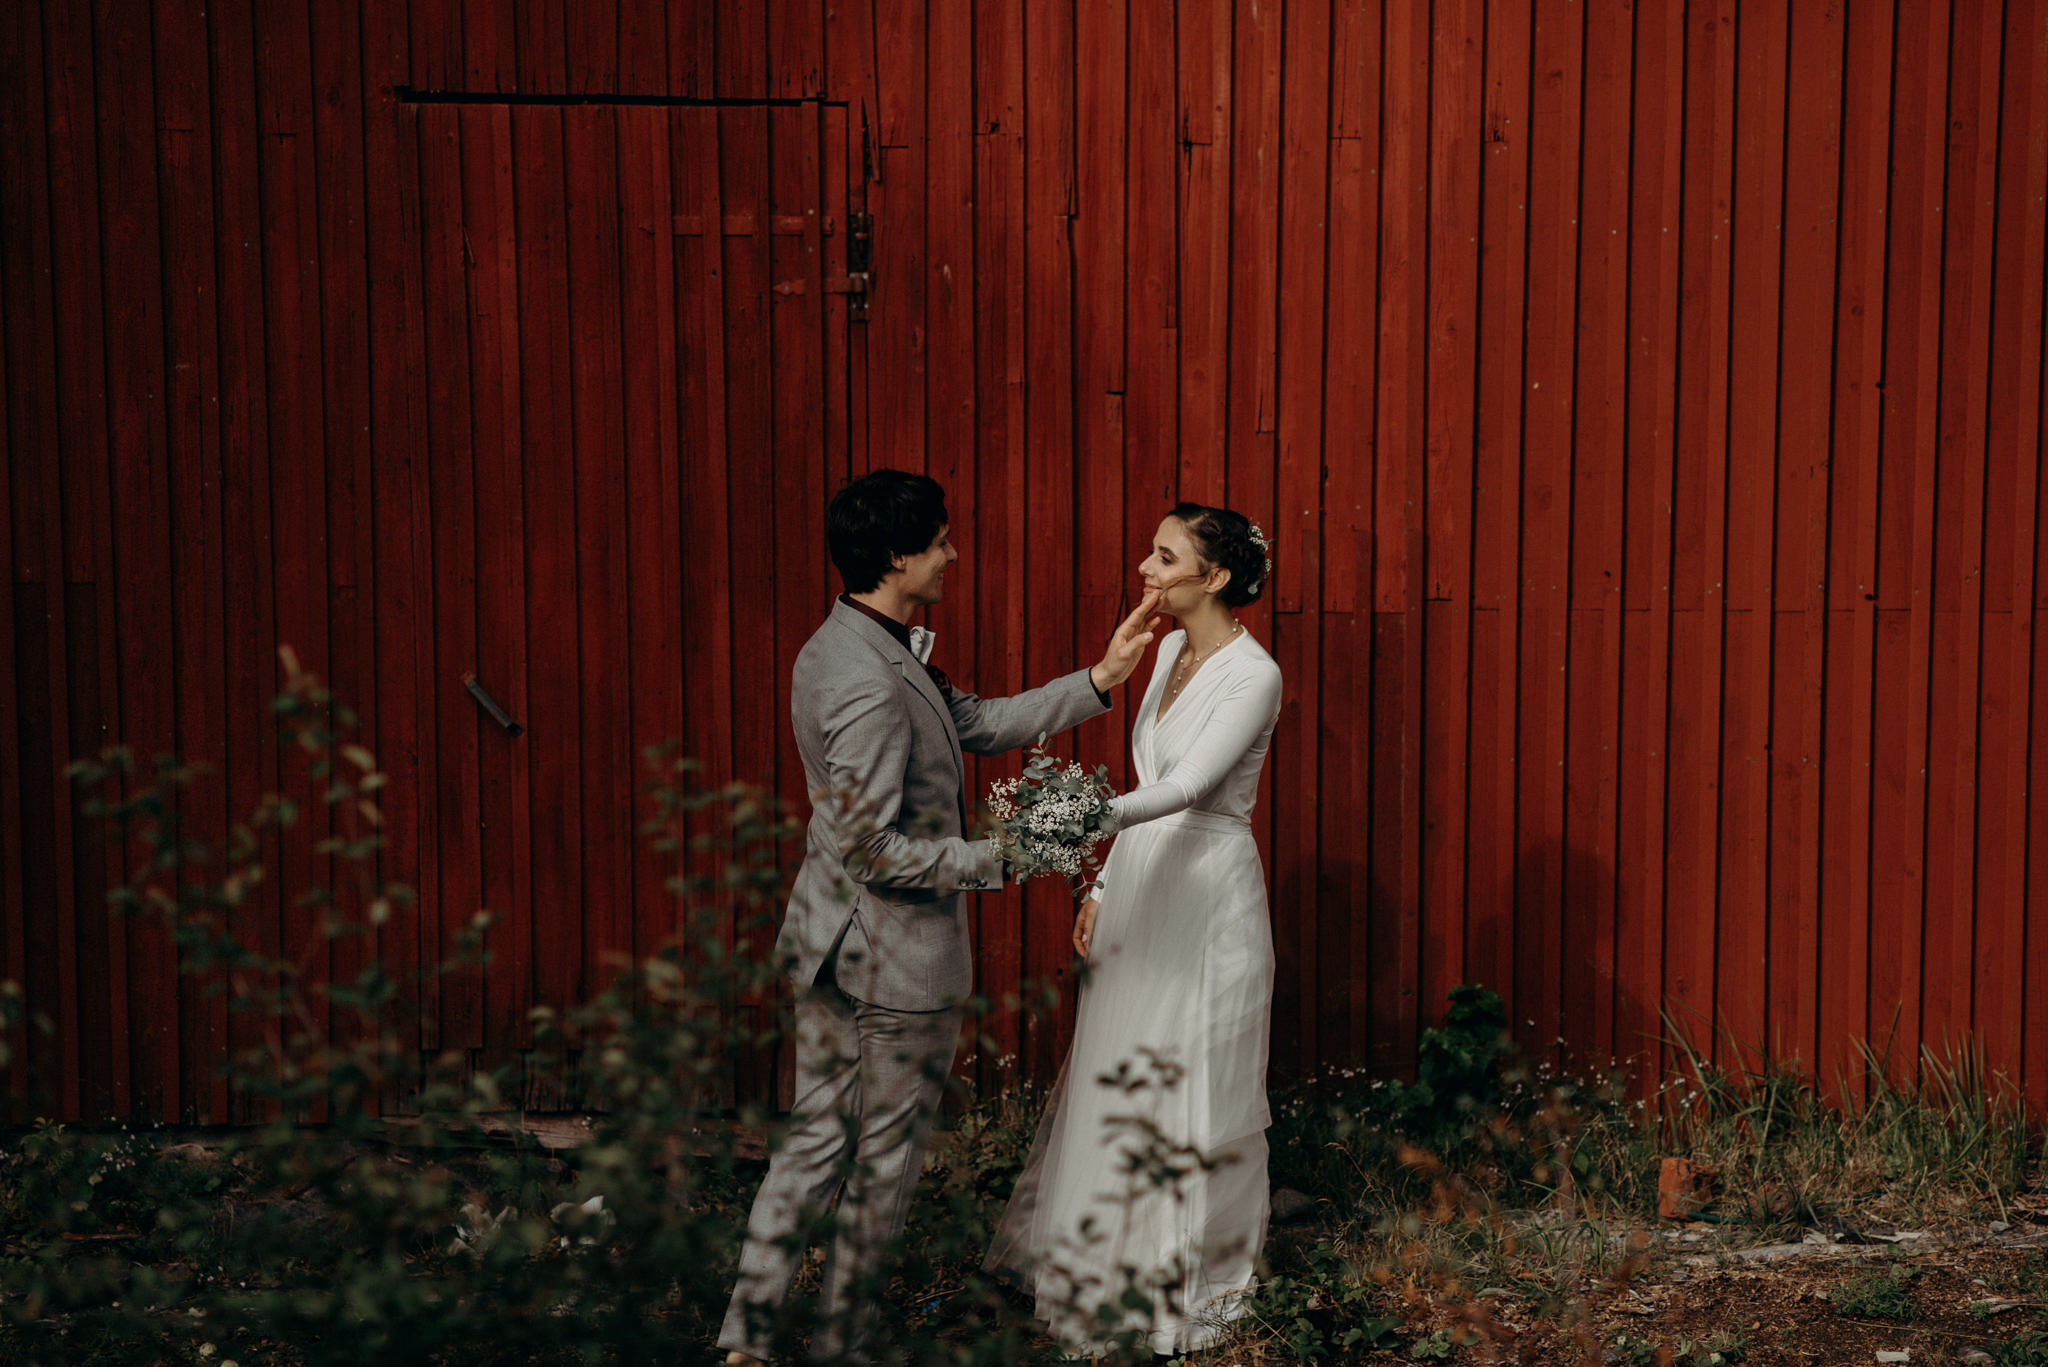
{"x": 1160, "y": 709}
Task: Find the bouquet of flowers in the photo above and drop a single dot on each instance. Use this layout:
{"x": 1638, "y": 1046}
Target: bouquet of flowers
{"x": 1051, "y": 818}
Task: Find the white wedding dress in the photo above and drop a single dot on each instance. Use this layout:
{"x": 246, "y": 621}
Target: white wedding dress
{"x": 1170, "y": 1040}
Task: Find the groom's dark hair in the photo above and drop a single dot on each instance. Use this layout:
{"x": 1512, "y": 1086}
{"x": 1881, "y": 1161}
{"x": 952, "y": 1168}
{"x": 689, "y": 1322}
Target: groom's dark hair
{"x": 882, "y": 514}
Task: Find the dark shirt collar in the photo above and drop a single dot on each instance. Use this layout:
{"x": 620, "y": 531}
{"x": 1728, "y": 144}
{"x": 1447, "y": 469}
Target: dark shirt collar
{"x": 900, "y": 630}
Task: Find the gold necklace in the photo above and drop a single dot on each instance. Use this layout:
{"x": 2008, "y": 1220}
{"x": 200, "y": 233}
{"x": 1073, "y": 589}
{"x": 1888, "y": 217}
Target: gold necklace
{"x": 1191, "y": 660}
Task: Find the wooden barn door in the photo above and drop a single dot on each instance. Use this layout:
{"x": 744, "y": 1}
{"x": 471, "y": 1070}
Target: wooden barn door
{"x": 656, "y": 308}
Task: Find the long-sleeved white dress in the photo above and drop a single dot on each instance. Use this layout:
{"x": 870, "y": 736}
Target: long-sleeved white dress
{"x": 1170, "y": 1040}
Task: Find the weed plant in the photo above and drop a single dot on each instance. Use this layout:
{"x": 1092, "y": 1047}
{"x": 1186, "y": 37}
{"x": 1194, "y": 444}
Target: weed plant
{"x": 1879, "y": 1294}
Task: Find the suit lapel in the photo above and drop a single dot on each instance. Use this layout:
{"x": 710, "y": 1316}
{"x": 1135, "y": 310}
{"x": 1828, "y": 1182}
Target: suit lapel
{"x": 909, "y": 669}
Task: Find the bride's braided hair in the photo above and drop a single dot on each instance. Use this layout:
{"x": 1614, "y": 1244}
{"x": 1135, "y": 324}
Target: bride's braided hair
{"x": 1234, "y": 541}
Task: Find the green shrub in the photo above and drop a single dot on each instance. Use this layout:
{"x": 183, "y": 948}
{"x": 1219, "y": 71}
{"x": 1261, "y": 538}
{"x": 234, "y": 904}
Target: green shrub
{"x": 1329, "y": 1308}
{"x": 2028, "y": 1348}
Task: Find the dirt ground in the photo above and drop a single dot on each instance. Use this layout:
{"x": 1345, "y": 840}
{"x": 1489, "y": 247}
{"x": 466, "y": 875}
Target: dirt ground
{"x": 1970, "y": 1294}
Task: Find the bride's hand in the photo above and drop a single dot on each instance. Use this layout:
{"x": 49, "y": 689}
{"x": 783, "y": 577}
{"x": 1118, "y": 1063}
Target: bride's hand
{"x": 1127, "y": 645}
{"x": 1084, "y": 927}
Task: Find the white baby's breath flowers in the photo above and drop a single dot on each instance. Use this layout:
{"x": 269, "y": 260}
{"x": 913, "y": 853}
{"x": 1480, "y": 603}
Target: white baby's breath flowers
{"x": 1051, "y": 818}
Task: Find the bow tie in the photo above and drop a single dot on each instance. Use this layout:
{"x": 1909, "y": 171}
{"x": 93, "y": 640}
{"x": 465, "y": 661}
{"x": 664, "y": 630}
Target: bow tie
{"x": 921, "y": 639}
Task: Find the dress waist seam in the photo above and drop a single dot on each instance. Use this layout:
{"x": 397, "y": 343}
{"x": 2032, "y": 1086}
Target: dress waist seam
{"x": 1205, "y": 821}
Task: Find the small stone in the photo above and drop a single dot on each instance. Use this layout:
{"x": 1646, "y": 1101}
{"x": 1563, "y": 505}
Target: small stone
{"x": 1975, "y": 1356}
{"x": 1771, "y": 1253}
{"x": 1290, "y": 1206}
{"x": 1906, "y": 1356}
{"x": 1999, "y": 1226}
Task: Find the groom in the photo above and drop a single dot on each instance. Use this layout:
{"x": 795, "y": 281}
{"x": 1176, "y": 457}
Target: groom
{"x": 876, "y": 929}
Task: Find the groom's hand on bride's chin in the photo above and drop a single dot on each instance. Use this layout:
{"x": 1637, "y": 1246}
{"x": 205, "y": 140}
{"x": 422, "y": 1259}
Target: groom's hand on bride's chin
{"x": 1127, "y": 645}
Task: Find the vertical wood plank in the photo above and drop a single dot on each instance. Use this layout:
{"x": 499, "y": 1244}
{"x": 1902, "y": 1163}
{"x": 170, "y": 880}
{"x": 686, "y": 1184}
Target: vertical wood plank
{"x": 1104, "y": 572}
{"x": 73, "y": 497}
{"x": 591, "y": 37}
{"x": 547, "y": 446}
{"x": 1048, "y": 448}
{"x": 1597, "y": 556}
{"x": 1498, "y": 422}
{"x": 1755, "y": 477}
{"x": 1151, "y": 405}
{"x": 1457, "y": 86}
{"x": 1253, "y": 338}
{"x": 14, "y": 963}
{"x": 998, "y": 533}
{"x": 951, "y": 291}
{"x": 504, "y": 769}
{"x": 433, "y": 44}
{"x": 1699, "y": 528}
{"x": 653, "y": 444}
{"x": 1812, "y": 208}
{"x": 1343, "y": 1022}
{"x": 250, "y": 763}
{"x": 35, "y": 721}
{"x": 603, "y": 714}
{"x": 336, "y": 43}
{"x": 400, "y": 686}
{"x": 1554, "y": 130}
{"x": 1847, "y": 832}
{"x": 1305, "y": 152}
{"x": 1969, "y": 219}
{"x": 795, "y": 318}
{"x": 1400, "y": 517}
{"x": 134, "y": 589}
{"x": 1656, "y": 188}
{"x": 897, "y": 199}
{"x": 692, "y": 50}
{"x": 644, "y": 59}
{"x": 741, "y": 67}
{"x": 1202, "y": 69}
{"x": 450, "y": 553}
{"x": 1909, "y": 481}
{"x": 193, "y": 462}
{"x": 541, "y": 55}
{"x": 796, "y": 49}
{"x": 1345, "y": 874}
{"x": 696, "y": 172}
{"x": 2012, "y": 437}
{"x": 298, "y": 455}
{"x": 749, "y": 398}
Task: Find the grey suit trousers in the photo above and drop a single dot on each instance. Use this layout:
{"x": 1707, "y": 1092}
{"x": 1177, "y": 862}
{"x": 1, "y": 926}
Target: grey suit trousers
{"x": 868, "y": 1086}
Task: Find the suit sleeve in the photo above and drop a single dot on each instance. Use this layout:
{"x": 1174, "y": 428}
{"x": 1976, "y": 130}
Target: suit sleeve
{"x": 867, "y": 747}
{"x": 989, "y": 726}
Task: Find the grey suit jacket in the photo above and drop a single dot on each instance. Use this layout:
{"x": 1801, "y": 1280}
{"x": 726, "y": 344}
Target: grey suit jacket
{"x": 885, "y": 859}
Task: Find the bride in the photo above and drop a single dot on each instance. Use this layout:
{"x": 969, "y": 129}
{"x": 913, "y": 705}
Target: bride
{"x": 1149, "y": 1168}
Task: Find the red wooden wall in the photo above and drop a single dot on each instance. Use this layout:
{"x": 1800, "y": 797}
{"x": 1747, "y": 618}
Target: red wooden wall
{"x": 1647, "y": 401}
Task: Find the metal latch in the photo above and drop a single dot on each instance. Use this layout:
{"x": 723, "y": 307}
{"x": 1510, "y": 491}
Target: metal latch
{"x": 860, "y": 262}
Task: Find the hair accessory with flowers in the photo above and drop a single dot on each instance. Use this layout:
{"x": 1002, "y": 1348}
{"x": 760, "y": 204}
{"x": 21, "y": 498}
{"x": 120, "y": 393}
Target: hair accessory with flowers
{"x": 1265, "y": 549}
{"x": 1051, "y": 819}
